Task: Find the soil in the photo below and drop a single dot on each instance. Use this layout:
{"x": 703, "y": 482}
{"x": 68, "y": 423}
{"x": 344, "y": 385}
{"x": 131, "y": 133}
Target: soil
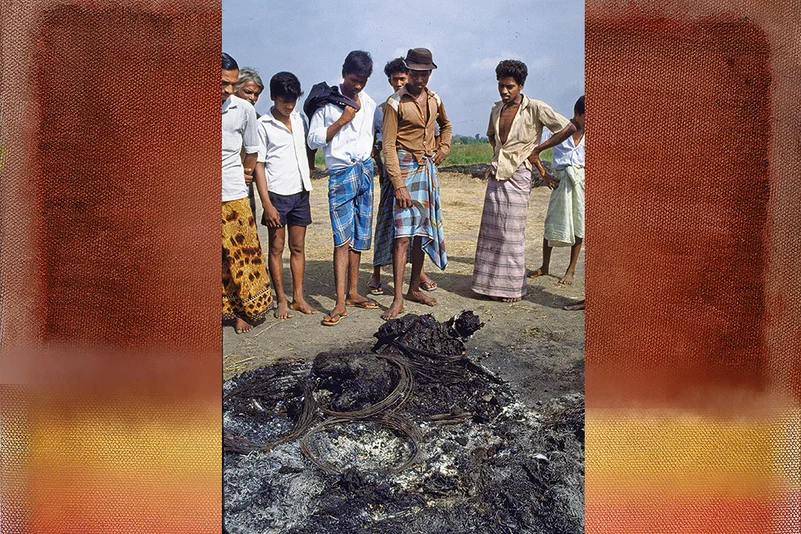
{"x": 533, "y": 344}
{"x": 422, "y": 440}
{"x": 500, "y": 421}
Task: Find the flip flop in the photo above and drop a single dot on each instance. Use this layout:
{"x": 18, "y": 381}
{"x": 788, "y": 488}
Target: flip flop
{"x": 334, "y": 319}
{"x": 375, "y": 290}
{"x": 429, "y": 285}
{"x": 366, "y": 304}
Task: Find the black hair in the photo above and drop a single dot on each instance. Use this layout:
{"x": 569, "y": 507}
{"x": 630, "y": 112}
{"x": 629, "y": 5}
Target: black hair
{"x": 514, "y": 68}
{"x": 358, "y": 62}
{"x": 578, "y": 109}
{"x": 286, "y": 85}
{"x": 395, "y": 66}
{"x": 229, "y": 63}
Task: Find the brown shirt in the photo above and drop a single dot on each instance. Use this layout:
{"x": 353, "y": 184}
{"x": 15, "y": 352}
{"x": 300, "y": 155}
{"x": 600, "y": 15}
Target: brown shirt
{"x": 524, "y": 134}
{"x": 406, "y": 126}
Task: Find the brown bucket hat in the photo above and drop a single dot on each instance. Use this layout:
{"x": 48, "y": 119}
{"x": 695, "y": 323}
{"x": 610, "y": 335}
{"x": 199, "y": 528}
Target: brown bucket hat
{"x": 419, "y": 59}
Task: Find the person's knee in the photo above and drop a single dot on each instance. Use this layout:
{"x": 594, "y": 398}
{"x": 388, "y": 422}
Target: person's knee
{"x": 297, "y": 247}
{"x": 277, "y": 244}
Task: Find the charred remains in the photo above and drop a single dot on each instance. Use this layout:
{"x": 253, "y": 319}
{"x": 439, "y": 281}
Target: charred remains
{"x": 411, "y": 437}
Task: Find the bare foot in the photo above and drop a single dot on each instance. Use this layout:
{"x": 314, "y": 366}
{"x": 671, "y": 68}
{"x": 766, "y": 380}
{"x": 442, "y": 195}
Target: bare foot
{"x": 241, "y": 326}
{"x": 282, "y": 311}
{"x": 567, "y": 279}
{"x": 394, "y": 309}
{"x": 419, "y": 296}
{"x": 542, "y": 271}
{"x": 302, "y": 306}
{"x": 507, "y": 299}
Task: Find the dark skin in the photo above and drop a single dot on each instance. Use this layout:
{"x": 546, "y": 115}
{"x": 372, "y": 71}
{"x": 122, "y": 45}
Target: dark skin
{"x": 281, "y": 110}
{"x": 229, "y": 80}
{"x": 396, "y": 81}
{"x": 346, "y": 260}
{"x": 417, "y": 87}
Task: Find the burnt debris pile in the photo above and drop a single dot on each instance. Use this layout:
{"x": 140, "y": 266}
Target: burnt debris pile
{"x": 412, "y": 436}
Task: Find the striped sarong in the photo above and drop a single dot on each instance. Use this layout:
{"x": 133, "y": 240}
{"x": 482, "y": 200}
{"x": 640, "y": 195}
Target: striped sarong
{"x": 424, "y": 218}
{"x": 499, "y": 269}
{"x": 565, "y": 219}
{"x": 246, "y": 290}
{"x": 384, "y": 223}
{"x": 350, "y": 204}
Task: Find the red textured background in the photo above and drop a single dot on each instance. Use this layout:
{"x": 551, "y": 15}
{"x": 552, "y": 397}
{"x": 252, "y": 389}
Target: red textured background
{"x": 110, "y": 267}
{"x": 678, "y": 206}
{"x": 110, "y": 270}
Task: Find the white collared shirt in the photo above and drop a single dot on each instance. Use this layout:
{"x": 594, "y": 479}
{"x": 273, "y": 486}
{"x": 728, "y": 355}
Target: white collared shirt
{"x": 568, "y": 153}
{"x": 239, "y": 130}
{"x": 354, "y": 142}
{"x": 284, "y": 153}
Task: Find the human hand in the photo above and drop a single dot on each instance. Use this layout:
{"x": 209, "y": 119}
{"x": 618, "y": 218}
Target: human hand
{"x": 550, "y": 181}
{"x": 402, "y": 198}
{"x": 347, "y": 114}
{"x": 248, "y": 176}
{"x": 439, "y": 157}
{"x": 271, "y": 217}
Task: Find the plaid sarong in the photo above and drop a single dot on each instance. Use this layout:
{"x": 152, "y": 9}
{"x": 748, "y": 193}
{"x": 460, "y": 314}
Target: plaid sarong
{"x": 565, "y": 219}
{"x": 350, "y": 204}
{"x": 424, "y": 218}
{"x": 384, "y": 223}
{"x": 499, "y": 269}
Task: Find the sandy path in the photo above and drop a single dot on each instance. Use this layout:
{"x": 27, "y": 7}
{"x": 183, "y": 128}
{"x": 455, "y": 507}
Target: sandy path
{"x": 533, "y": 343}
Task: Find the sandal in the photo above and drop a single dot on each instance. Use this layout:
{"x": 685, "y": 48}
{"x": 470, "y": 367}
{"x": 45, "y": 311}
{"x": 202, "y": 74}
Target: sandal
{"x": 375, "y": 290}
{"x": 333, "y": 319}
{"x": 428, "y": 285}
{"x": 366, "y": 304}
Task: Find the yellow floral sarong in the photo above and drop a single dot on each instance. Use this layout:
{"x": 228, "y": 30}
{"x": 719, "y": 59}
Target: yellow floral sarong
{"x": 246, "y": 290}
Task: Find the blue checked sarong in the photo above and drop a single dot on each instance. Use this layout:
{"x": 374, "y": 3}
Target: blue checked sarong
{"x": 350, "y": 204}
{"x": 424, "y": 218}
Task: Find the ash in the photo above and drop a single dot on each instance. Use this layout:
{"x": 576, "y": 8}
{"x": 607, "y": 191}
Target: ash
{"x": 411, "y": 437}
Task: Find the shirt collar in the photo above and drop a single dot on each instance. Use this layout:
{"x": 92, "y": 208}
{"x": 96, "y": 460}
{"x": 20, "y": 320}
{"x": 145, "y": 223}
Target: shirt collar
{"x": 403, "y": 91}
{"x": 271, "y": 118}
{"x": 524, "y": 102}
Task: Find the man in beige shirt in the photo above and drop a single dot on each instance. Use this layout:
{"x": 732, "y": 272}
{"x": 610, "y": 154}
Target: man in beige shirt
{"x": 411, "y": 154}
{"x": 515, "y": 129}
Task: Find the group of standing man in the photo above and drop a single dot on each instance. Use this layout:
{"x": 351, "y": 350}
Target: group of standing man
{"x": 412, "y": 130}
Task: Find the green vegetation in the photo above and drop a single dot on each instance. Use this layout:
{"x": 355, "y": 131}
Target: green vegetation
{"x": 462, "y": 153}
{"x": 469, "y": 153}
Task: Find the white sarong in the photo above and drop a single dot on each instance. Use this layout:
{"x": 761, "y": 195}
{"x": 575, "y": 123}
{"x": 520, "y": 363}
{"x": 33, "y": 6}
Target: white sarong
{"x": 565, "y": 219}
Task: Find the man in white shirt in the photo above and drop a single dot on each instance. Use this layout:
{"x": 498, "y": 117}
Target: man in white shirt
{"x": 246, "y": 294}
{"x": 347, "y": 139}
{"x": 284, "y": 161}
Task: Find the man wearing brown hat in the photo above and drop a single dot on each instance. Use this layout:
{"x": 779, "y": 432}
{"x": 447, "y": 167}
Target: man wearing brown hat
{"x": 411, "y": 154}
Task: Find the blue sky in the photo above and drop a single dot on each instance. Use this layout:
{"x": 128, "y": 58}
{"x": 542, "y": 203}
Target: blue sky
{"x": 467, "y": 37}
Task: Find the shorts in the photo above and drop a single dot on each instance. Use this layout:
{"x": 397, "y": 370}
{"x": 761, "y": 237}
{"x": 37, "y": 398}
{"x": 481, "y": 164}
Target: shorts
{"x": 293, "y": 209}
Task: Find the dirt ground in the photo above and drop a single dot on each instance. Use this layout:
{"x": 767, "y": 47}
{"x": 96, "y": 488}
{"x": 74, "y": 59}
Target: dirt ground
{"x": 533, "y": 344}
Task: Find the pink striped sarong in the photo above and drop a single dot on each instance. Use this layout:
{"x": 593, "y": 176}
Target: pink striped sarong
{"x": 499, "y": 269}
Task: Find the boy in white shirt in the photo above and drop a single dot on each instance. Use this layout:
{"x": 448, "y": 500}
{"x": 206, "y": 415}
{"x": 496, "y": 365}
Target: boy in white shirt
{"x": 564, "y": 223}
{"x": 284, "y": 160}
{"x": 347, "y": 139}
